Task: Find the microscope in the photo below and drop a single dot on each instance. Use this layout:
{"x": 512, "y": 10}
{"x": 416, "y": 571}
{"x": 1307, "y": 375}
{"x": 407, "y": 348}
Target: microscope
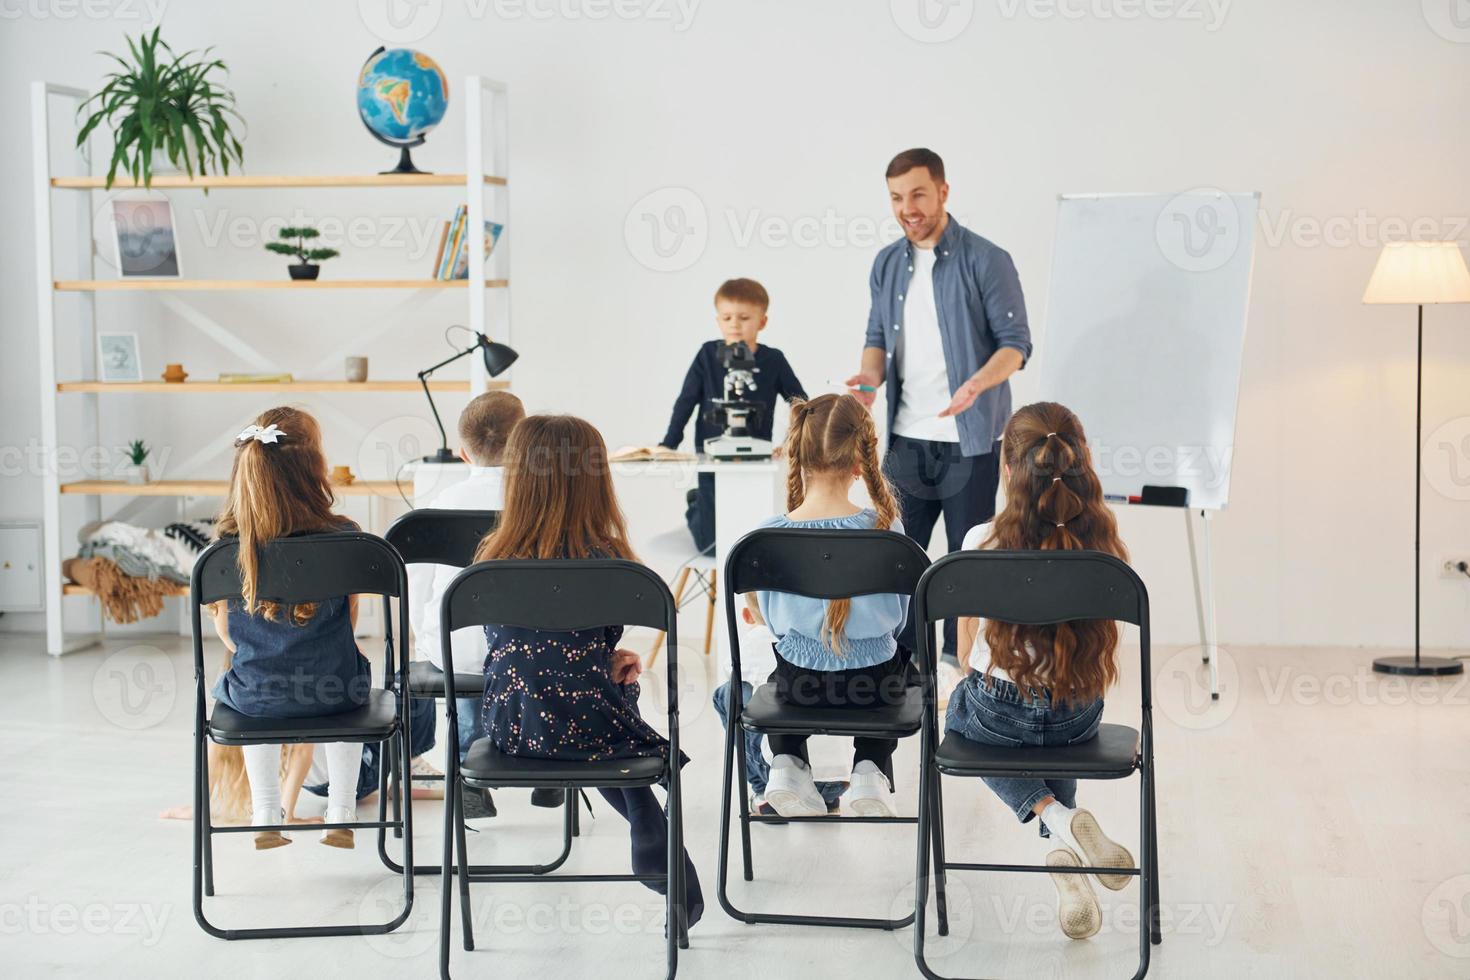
{"x": 733, "y": 415}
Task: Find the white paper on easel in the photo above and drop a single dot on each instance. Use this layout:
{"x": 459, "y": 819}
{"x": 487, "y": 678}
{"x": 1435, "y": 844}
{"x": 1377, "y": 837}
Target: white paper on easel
{"x": 1145, "y": 330}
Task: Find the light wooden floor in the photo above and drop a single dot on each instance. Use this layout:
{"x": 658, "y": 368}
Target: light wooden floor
{"x": 1314, "y": 823}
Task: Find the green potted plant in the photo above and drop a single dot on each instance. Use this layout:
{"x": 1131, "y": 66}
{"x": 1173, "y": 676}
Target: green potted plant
{"x": 137, "y": 469}
{"x": 164, "y": 106}
{"x": 305, "y": 267}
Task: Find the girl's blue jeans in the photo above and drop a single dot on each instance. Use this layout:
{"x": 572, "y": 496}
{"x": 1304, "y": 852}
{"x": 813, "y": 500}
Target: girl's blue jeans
{"x": 995, "y": 712}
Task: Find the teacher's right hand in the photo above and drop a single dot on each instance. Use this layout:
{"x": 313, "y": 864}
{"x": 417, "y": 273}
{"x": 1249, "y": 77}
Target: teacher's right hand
{"x": 855, "y": 389}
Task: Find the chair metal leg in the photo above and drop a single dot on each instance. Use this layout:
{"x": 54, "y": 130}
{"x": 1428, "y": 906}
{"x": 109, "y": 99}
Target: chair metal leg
{"x": 921, "y": 859}
{"x": 465, "y": 912}
{"x": 1156, "y": 935}
{"x": 941, "y": 900}
{"x": 723, "y": 871}
{"x": 453, "y": 788}
{"x": 392, "y": 865}
{"x": 673, "y": 899}
{"x": 741, "y": 765}
{"x": 575, "y": 812}
{"x": 391, "y": 770}
{"x": 206, "y": 822}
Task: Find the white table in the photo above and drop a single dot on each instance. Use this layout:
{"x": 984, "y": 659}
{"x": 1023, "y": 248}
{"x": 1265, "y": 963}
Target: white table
{"x": 747, "y": 492}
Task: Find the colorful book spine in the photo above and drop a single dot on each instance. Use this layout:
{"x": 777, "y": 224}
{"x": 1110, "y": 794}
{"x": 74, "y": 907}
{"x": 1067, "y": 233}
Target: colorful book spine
{"x": 492, "y": 235}
{"x": 456, "y": 234}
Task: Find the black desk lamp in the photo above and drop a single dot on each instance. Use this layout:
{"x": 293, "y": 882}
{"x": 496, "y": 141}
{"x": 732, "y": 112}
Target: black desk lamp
{"x": 498, "y": 358}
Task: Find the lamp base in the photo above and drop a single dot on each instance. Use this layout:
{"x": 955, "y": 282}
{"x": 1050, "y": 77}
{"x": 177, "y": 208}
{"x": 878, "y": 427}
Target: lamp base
{"x": 441, "y": 456}
{"x": 1420, "y": 667}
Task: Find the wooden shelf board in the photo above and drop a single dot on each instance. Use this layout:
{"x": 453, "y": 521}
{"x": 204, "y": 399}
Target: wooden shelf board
{"x": 72, "y": 588}
{"x": 182, "y": 181}
{"x": 208, "y": 488}
{"x": 200, "y": 285}
{"x": 287, "y": 387}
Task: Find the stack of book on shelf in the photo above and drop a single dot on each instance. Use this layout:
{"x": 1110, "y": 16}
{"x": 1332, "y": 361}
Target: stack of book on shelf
{"x": 452, "y": 261}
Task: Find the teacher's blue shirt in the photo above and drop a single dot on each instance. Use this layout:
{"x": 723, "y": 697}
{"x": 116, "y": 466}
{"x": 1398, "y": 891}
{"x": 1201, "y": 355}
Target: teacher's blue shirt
{"x": 977, "y": 295}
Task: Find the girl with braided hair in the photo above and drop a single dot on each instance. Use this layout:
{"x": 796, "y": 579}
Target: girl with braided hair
{"x": 1044, "y": 685}
{"x": 840, "y": 653}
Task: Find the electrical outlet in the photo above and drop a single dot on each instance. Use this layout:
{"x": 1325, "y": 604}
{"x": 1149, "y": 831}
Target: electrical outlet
{"x": 1455, "y": 568}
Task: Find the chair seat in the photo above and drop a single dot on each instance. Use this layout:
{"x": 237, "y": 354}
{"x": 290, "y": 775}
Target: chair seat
{"x": 763, "y": 713}
{"x": 373, "y": 722}
{"x": 426, "y": 680}
{"x": 486, "y": 766}
{"x": 1113, "y": 754}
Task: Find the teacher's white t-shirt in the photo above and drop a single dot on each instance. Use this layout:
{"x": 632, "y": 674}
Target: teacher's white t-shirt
{"x": 921, "y": 364}
{"x": 980, "y": 652}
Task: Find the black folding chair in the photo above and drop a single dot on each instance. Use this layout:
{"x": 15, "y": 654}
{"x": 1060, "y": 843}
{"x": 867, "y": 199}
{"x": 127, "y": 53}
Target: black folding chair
{"x": 1035, "y": 588}
{"x": 562, "y": 596}
{"x": 309, "y": 568}
{"x": 822, "y": 564}
{"x": 450, "y": 537}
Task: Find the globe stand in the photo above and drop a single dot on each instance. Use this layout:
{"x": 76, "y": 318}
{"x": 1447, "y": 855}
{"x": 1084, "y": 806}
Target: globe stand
{"x": 405, "y": 164}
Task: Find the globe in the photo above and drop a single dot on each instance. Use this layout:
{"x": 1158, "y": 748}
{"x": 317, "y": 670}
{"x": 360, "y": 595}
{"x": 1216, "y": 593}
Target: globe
{"x": 401, "y": 96}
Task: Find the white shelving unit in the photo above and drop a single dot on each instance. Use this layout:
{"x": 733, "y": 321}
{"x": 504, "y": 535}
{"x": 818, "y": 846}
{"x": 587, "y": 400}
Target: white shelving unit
{"x": 487, "y": 295}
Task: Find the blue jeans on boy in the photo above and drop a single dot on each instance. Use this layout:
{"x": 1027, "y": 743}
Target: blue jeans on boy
{"x": 421, "y": 739}
{"x": 757, "y": 769}
{"x": 994, "y": 712}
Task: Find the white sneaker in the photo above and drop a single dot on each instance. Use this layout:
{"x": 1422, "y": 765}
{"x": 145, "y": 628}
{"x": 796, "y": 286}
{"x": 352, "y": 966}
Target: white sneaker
{"x": 267, "y": 839}
{"x": 791, "y": 791}
{"x": 1084, "y": 835}
{"x": 340, "y": 837}
{"x": 867, "y": 792}
{"x": 1078, "y": 912}
{"x": 426, "y": 780}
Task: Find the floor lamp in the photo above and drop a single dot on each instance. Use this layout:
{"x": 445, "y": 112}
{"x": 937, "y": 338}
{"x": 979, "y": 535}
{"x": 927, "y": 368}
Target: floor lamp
{"x": 1419, "y": 273}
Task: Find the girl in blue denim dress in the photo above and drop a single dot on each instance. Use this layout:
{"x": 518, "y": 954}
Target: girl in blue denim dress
{"x": 287, "y": 662}
{"x": 1044, "y": 685}
{"x": 571, "y": 695}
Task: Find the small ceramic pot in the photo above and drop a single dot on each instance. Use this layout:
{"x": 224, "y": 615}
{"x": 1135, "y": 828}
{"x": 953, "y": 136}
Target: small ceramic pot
{"x": 174, "y": 373}
{"x": 135, "y": 473}
{"x": 342, "y": 475}
{"x": 304, "y": 270}
{"x": 357, "y": 369}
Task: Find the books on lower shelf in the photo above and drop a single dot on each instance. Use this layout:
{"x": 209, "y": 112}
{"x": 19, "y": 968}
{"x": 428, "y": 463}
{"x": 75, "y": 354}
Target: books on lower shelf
{"x": 639, "y": 454}
{"x": 452, "y": 260}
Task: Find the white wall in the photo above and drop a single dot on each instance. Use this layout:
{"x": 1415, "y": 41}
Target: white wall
{"x": 1346, "y": 116}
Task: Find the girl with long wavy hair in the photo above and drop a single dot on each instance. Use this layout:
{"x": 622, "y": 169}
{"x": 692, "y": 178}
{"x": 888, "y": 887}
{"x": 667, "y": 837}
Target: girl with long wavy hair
{"x": 571, "y": 695}
{"x": 839, "y": 653}
{"x": 1044, "y": 685}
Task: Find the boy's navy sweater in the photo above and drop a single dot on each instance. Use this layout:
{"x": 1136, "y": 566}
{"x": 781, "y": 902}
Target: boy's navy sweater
{"x": 706, "y": 381}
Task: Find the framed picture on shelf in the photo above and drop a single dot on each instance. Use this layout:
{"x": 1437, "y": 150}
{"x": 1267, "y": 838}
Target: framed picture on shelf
{"x": 117, "y": 357}
{"x": 147, "y": 247}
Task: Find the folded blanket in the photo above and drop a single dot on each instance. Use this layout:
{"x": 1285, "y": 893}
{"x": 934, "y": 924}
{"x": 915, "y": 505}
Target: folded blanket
{"x": 139, "y": 551}
{"x": 125, "y": 598}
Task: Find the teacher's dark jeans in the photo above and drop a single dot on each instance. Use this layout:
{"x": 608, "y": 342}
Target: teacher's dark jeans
{"x": 934, "y": 478}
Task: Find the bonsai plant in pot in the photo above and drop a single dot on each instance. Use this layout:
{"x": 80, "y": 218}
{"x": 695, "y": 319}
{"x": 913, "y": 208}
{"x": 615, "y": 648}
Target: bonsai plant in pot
{"x": 137, "y": 469}
{"x": 305, "y": 266}
{"x": 165, "y": 109}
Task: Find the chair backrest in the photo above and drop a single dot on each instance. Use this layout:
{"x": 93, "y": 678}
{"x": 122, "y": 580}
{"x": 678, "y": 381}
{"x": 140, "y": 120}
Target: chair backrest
{"x": 441, "y": 537}
{"x": 305, "y": 568}
{"x": 821, "y": 564}
{"x": 301, "y": 569}
{"x": 1034, "y": 588}
{"x": 558, "y": 594}
{"x": 561, "y": 595}
{"x": 824, "y": 564}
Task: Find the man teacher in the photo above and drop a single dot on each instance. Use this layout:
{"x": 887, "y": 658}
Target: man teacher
{"x": 946, "y": 330}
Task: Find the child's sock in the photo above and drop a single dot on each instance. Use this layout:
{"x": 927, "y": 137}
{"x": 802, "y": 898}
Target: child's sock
{"x": 343, "y": 762}
{"x": 263, "y": 770}
{"x": 1058, "y": 820}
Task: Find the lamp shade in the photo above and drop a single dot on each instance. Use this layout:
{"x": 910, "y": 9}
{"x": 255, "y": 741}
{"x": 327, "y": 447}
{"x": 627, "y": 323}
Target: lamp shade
{"x": 1419, "y": 273}
{"x": 498, "y": 357}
